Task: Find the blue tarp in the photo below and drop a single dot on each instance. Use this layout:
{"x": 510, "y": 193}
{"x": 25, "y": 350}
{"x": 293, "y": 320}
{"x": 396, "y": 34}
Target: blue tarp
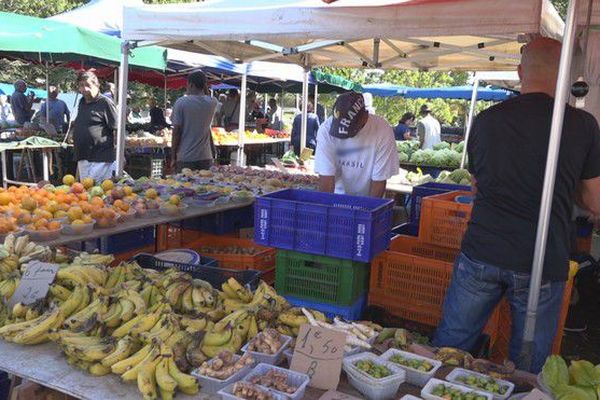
{"x": 8, "y": 89}
{"x": 453, "y": 92}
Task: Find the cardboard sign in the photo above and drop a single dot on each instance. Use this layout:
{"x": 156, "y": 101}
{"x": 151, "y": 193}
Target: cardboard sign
{"x": 319, "y": 353}
{"x": 335, "y": 395}
{"x": 35, "y": 283}
{"x": 537, "y": 394}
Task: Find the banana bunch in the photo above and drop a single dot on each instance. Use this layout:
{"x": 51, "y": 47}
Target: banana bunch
{"x": 21, "y": 249}
{"x": 93, "y": 259}
{"x": 9, "y": 285}
{"x": 290, "y": 320}
{"x": 82, "y": 275}
{"x": 236, "y": 297}
{"x": 191, "y": 295}
{"x": 230, "y": 333}
{"x": 8, "y": 265}
{"x": 33, "y": 331}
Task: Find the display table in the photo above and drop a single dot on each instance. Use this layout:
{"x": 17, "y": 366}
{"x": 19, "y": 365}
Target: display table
{"x": 139, "y": 223}
{"x": 255, "y": 142}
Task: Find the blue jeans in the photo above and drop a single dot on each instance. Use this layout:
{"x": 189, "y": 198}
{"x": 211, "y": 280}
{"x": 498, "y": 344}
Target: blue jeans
{"x": 474, "y": 292}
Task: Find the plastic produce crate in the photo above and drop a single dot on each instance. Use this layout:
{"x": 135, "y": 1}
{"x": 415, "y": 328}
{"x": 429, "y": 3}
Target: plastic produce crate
{"x": 413, "y": 376}
{"x": 500, "y": 349}
{"x": 426, "y": 392}
{"x": 349, "y": 227}
{"x": 373, "y": 388}
{"x": 214, "y": 275}
{"x": 126, "y": 241}
{"x": 297, "y": 379}
{"x": 350, "y": 313}
{"x": 320, "y": 278}
{"x": 425, "y": 190}
{"x": 222, "y": 223}
{"x": 412, "y": 286}
{"x": 262, "y": 260}
{"x": 212, "y": 385}
{"x": 271, "y": 359}
{"x": 443, "y": 220}
{"x": 227, "y": 394}
{"x": 457, "y": 373}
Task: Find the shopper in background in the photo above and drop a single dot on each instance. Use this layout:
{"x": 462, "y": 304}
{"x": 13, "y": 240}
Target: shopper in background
{"x": 157, "y": 115}
{"x": 312, "y": 127}
{"x": 6, "y": 116}
{"x": 402, "y": 131}
{"x": 321, "y": 113}
{"x": 218, "y": 118}
{"x": 507, "y": 157}
{"x": 94, "y": 130}
{"x": 21, "y": 104}
{"x": 356, "y": 152}
{"x": 429, "y": 130}
{"x": 109, "y": 90}
{"x": 273, "y": 115}
{"x": 192, "y": 117}
{"x": 231, "y": 110}
{"x": 59, "y": 115}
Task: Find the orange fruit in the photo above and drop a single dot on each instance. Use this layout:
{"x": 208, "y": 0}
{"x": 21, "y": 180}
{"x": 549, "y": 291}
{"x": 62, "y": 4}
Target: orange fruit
{"x": 41, "y": 222}
{"x": 75, "y": 213}
{"x": 53, "y": 225}
{"x": 5, "y": 198}
{"x": 87, "y": 219}
{"x": 28, "y": 203}
{"x": 88, "y": 183}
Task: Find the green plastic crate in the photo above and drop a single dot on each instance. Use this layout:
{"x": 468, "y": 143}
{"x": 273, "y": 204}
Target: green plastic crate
{"x": 324, "y": 279}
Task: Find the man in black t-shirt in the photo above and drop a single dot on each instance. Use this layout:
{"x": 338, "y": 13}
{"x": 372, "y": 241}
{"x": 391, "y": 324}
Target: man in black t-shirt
{"x": 507, "y": 157}
{"x": 94, "y": 131}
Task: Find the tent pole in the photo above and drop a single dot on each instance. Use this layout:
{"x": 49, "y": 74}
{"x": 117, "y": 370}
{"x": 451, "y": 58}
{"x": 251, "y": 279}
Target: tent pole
{"x": 47, "y": 95}
{"x": 165, "y": 93}
{"x": 316, "y": 96}
{"x": 122, "y": 107}
{"x": 242, "y": 121}
{"x": 304, "y": 111}
{"x": 561, "y": 98}
{"x": 281, "y": 109}
{"x": 116, "y": 83}
{"x": 470, "y": 120}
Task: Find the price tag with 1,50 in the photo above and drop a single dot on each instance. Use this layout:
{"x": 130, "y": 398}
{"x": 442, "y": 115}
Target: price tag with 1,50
{"x": 35, "y": 283}
{"x": 319, "y": 353}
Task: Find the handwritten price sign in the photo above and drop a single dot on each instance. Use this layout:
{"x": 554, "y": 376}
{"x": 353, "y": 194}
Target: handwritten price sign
{"x": 319, "y": 353}
{"x": 35, "y": 283}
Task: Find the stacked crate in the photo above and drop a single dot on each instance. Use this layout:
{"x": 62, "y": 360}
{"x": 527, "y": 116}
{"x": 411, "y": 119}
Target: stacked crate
{"x": 326, "y": 242}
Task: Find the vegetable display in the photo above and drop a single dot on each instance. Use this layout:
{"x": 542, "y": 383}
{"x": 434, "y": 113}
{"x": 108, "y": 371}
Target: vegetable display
{"x": 578, "y": 381}
{"x": 419, "y": 365}
{"x": 224, "y": 365}
{"x": 249, "y": 391}
{"x": 373, "y": 369}
{"x": 443, "y": 155}
{"x": 450, "y": 393}
{"x": 488, "y": 384}
{"x": 459, "y": 176}
{"x": 276, "y": 380}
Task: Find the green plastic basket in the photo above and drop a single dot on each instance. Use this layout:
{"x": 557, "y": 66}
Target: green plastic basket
{"x": 324, "y": 279}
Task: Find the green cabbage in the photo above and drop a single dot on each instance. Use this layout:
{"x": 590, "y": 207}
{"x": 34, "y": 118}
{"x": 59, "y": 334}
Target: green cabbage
{"x": 584, "y": 373}
{"x": 574, "y": 392}
{"x": 441, "y": 146}
{"x": 555, "y": 372}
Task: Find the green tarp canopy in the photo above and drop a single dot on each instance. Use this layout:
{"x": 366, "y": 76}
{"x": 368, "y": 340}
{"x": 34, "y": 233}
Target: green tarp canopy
{"x": 335, "y": 80}
{"x": 38, "y": 39}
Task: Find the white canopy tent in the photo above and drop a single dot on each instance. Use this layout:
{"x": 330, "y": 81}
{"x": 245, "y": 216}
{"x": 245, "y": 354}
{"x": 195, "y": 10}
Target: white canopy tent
{"x": 407, "y": 34}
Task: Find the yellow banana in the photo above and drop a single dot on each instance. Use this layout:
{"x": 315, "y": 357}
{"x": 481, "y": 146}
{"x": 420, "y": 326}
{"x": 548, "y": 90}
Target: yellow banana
{"x": 229, "y": 292}
{"x": 137, "y": 300}
{"x": 196, "y": 325}
{"x": 187, "y": 302}
{"x": 213, "y": 338}
{"x": 146, "y": 380}
{"x": 176, "y": 338}
{"x": 121, "y": 366}
{"x": 253, "y": 329}
{"x": 52, "y": 319}
{"x": 164, "y": 380}
{"x": 126, "y": 327}
{"x": 131, "y": 374}
{"x": 292, "y": 320}
{"x": 186, "y": 383}
{"x": 124, "y": 349}
{"x": 127, "y": 309}
{"x": 165, "y": 394}
{"x": 94, "y": 353}
{"x": 19, "y": 310}
{"x": 60, "y": 292}
{"x": 146, "y": 294}
{"x": 98, "y": 369}
{"x": 197, "y": 297}
{"x": 113, "y": 277}
{"x": 70, "y": 305}
{"x": 146, "y": 323}
{"x": 242, "y": 293}
{"x": 113, "y": 316}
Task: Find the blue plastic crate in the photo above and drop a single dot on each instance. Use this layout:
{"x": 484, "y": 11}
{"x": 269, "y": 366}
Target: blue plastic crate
{"x": 350, "y": 313}
{"x": 426, "y": 190}
{"x": 126, "y": 241}
{"x": 335, "y": 225}
{"x": 222, "y": 223}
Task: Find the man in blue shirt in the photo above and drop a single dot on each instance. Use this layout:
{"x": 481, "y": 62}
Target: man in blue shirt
{"x": 312, "y": 127}
{"x": 21, "y": 104}
{"x": 402, "y": 131}
{"x": 59, "y": 114}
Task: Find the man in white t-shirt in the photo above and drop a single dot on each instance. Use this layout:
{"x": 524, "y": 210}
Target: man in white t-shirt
{"x": 356, "y": 151}
{"x": 429, "y": 130}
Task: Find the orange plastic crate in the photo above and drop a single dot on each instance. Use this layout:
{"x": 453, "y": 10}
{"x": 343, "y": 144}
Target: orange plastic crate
{"x": 444, "y": 221}
{"x": 263, "y": 260}
{"x": 413, "y": 287}
{"x": 499, "y": 350}
{"x": 269, "y": 276}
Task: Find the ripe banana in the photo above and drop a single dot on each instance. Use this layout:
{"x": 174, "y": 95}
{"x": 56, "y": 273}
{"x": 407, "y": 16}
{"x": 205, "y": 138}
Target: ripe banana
{"x": 213, "y": 338}
{"x": 98, "y": 369}
{"x": 146, "y": 379}
{"x": 60, "y": 292}
{"x": 131, "y": 374}
{"x": 120, "y": 367}
{"x": 164, "y": 380}
{"x": 186, "y": 383}
{"x": 126, "y": 327}
{"x": 124, "y": 349}
{"x": 50, "y": 320}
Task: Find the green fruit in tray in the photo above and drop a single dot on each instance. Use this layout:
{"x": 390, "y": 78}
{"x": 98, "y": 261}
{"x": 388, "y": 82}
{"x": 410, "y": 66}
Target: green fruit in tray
{"x": 483, "y": 383}
{"x": 419, "y": 365}
{"x": 369, "y": 367}
{"x": 450, "y": 393}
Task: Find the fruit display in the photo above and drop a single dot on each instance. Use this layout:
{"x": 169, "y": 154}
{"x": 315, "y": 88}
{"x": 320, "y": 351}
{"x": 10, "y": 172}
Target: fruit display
{"x": 579, "y": 380}
{"x": 398, "y": 338}
{"x": 277, "y": 134}
{"x": 454, "y": 357}
{"x": 452, "y": 393}
{"x": 222, "y": 137}
{"x": 274, "y": 379}
{"x": 249, "y": 391}
{"x": 144, "y": 139}
{"x": 443, "y": 155}
{"x": 267, "y": 342}
{"x": 417, "y": 364}
{"x": 224, "y": 365}
{"x": 8, "y": 225}
{"x": 373, "y": 369}
{"x": 487, "y": 384}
